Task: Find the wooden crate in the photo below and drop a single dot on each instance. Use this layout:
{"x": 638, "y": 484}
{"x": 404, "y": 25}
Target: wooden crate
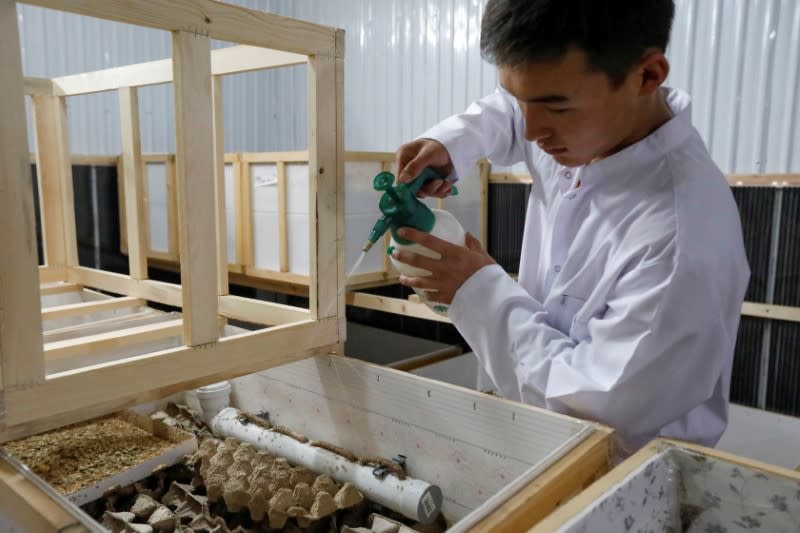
{"x": 34, "y": 399}
{"x": 670, "y": 484}
{"x": 502, "y": 465}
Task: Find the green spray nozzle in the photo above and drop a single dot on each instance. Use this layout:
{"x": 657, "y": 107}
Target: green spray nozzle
{"x": 401, "y": 207}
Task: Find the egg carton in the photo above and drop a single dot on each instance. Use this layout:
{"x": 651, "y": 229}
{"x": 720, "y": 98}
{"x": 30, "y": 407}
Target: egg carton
{"x": 246, "y": 478}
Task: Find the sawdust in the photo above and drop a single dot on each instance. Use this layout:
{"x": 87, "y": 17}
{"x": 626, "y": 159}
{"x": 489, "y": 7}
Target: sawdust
{"x": 76, "y": 456}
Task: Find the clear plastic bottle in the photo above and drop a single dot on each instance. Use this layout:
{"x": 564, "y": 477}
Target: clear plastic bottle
{"x": 445, "y": 227}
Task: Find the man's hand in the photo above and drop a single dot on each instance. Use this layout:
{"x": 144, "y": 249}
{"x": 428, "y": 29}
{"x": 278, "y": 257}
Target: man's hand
{"x": 457, "y": 264}
{"x": 415, "y": 156}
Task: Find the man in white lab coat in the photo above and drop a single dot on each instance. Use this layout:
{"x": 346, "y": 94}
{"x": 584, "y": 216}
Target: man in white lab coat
{"x": 633, "y": 269}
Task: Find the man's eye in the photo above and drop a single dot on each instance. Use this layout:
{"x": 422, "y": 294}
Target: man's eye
{"x": 558, "y": 109}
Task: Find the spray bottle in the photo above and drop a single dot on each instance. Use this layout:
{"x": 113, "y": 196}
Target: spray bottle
{"x": 401, "y": 208}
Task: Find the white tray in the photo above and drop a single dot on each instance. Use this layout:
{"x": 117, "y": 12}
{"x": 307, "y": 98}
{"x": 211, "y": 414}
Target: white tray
{"x": 185, "y": 444}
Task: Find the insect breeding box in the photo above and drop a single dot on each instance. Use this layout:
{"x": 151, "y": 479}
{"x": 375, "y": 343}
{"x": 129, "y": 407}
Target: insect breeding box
{"x": 671, "y": 486}
{"x": 484, "y": 463}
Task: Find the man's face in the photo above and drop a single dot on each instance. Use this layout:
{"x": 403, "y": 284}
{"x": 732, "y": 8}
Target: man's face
{"x": 573, "y": 114}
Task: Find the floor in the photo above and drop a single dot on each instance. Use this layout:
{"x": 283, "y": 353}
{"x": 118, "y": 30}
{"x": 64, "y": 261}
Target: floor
{"x": 762, "y": 435}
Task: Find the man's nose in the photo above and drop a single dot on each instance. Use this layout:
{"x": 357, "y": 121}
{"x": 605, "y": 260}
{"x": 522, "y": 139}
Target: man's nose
{"x": 536, "y": 126}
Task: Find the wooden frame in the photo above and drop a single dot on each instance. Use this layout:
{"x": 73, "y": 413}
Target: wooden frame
{"x": 604, "y": 485}
{"x": 243, "y": 269}
{"x": 561, "y": 482}
{"x": 32, "y": 399}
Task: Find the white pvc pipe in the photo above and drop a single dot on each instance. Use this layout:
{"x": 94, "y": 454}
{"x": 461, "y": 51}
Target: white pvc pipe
{"x": 213, "y": 399}
{"x": 413, "y": 498}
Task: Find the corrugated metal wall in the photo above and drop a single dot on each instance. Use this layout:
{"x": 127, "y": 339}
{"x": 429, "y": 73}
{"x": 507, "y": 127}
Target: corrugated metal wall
{"x": 412, "y": 62}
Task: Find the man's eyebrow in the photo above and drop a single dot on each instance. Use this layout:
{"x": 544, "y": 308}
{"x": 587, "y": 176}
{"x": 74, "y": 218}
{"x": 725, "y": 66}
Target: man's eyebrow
{"x": 544, "y": 99}
{"x": 548, "y": 99}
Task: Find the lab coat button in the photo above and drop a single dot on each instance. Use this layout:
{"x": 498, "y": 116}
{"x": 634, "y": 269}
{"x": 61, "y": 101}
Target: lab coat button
{"x": 567, "y": 174}
{"x": 557, "y": 268}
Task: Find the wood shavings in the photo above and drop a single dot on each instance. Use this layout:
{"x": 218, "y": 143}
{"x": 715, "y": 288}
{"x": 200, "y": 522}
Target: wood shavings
{"x": 76, "y": 456}
{"x": 350, "y": 456}
{"x": 289, "y": 433}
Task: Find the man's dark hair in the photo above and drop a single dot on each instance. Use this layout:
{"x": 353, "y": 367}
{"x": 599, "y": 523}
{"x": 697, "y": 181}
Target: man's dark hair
{"x": 613, "y": 33}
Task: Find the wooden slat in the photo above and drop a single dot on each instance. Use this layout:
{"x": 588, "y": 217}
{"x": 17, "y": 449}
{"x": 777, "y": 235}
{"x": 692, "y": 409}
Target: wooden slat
{"x": 170, "y": 294}
{"x": 39, "y": 86}
{"x": 123, "y": 226}
{"x": 265, "y": 284}
{"x": 219, "y": 185}
{"x": 194, "y": 163}
{"x": 211, "y": 19}
{"x": 48, "y": 274}
{"x": 284, "y": 277}
{"x": 136, "y": 211}
{"x": 238, "y": 211}
{"x": 566, "y": 478}
{"x": 326, "y": 169}
{"x": 370, "y": 280}
{"x": 20, "y": 326}
{"x": 427, "y": 359}
{"x": 243, "y": 58}
{"x": 86, "y": 159}
{"x": 55, "y": 181}
{"x": 86, "y": 308}
{"x": 157, "y": 158}
{"x": 244, "y": 254}
{"x": 764, "y": 180}
{"x": 29, "y": 507}
{"x": 506, "y": 177}
{"x": 300, "y": 156}
{"x": 777, "y": 312}
{"x": 387, "y": 239}
{"x": 92, "y": 344}
{"x": 160, "y": 256}
{"x": 94, "y": 160}
{"x": 103, "y": 325}
{"x": 393, "y": 305}
{"x": 485, "y": 170}
{"x": 384, "y": 157}
{"x": 283, "y": 232}
{"x": 166, "y": 372}
{"x": 172, "y": 210}
{"x": 156, "y": 291}
{"x": 47, "y": 289}
{"x": 258, "y": 312}
{"x": 230, "y": 60}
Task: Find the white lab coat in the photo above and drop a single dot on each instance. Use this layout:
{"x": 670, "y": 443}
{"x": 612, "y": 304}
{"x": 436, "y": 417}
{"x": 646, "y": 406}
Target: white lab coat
{"x": 630, "y": 284}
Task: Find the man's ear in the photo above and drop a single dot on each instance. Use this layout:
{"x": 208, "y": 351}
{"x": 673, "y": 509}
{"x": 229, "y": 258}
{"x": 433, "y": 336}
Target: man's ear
{"x": 654, "y": 69}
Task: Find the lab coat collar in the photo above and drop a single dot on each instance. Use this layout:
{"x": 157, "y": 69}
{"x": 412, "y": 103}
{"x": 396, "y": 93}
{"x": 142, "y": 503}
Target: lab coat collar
{"x": 666, "y": 138}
